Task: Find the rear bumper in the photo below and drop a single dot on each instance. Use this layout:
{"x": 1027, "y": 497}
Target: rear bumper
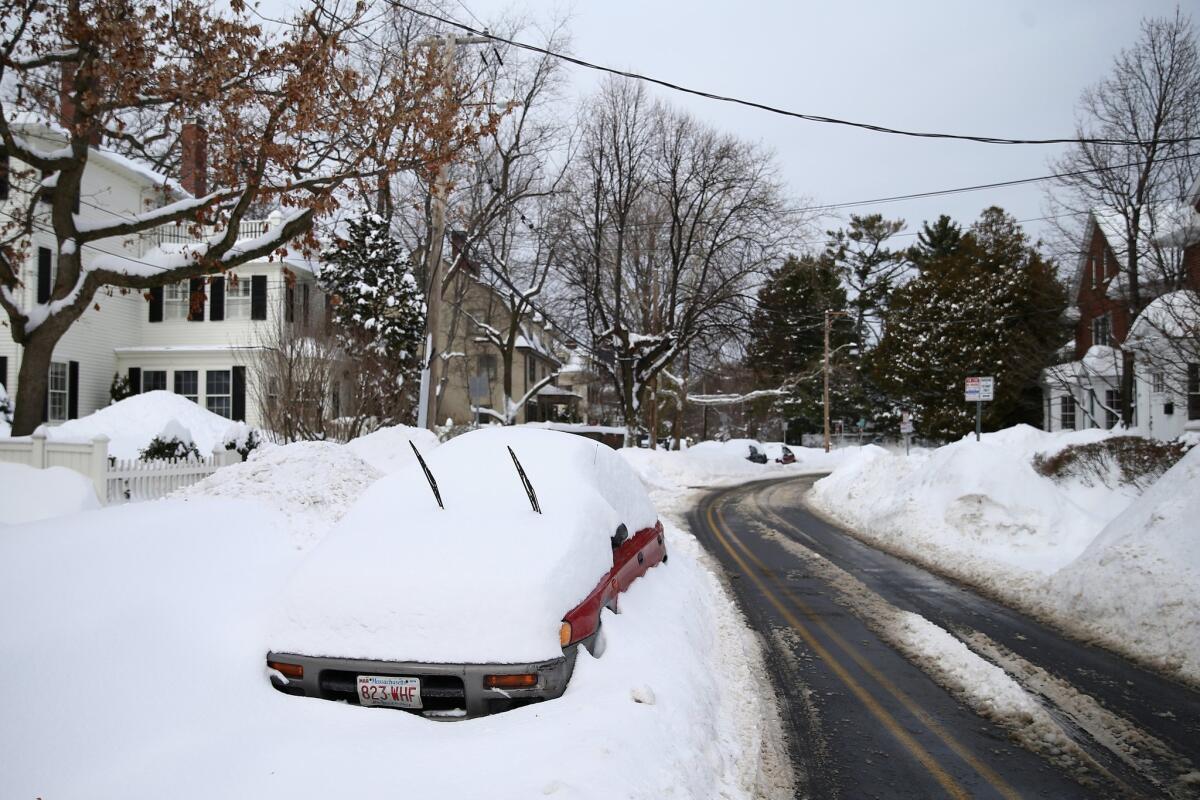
{"x": 447, "y": 690}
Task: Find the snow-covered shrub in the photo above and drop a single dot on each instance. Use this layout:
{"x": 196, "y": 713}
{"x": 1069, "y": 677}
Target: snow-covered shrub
{"x": 6, "y": 406}
{"x": 244, "y": 440}
{"x": 1131, "y": 460}
{"x": 120, "y": 388}
{"x": 175, "y": 442}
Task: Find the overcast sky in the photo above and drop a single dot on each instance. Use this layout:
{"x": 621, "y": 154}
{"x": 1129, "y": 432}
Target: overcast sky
{"x": 1012, "y": 69}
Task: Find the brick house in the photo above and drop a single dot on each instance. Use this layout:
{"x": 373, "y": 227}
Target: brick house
{"x": 1084, "y": 392}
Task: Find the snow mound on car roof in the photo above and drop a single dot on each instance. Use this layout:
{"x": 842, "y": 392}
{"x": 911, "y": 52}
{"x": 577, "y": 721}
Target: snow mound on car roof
{"x": 485, "y": 580}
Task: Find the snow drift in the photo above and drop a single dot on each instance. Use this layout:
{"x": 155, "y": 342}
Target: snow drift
{"x": 134, "y": 421}
{"x": 1136, "y": 584}
{"x": 28, "y": 494}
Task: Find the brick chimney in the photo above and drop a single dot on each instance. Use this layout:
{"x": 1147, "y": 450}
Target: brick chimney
{"x": 66, "y": 92}
{"x": 193, "y": 171}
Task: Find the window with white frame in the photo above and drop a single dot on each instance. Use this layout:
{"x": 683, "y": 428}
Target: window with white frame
{"x": 1159, "y": 382}
{"x": 58, "y": 391}
{"x": 176, "y": 300}
{"x": 187, "y": 384}
{"x": 154, "y": 380}
{"x": 1193, "y": 391}
{"x": 1112, "y": 404}
{"x": 218, "y": 392}
{"x": 1101, "y": 330}
{"x": 1067, "y": 413}
{"x": 237, "y": 297}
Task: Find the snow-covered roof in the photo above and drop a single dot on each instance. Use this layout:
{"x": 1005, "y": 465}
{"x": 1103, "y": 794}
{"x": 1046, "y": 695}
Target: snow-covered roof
{"x": 1173, "y": 315}
{"x": 1171, "y": 226}
{"x": 26, "y": 124}
{"x": 1099, "y": 361}
{"x": 550, "y": 390}
{"x": 576, "y": 362}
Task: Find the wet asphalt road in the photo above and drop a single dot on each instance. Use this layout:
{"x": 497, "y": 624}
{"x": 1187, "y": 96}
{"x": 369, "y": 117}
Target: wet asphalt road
{"x": 863, "y": 722}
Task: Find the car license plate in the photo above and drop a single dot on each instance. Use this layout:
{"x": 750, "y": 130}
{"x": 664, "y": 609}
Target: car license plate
{"x": 385, "y": 690}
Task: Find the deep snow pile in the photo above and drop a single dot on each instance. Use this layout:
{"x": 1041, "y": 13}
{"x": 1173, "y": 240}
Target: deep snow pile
{"x": 978, "y": 511}
{"x": 531, "y": 567}
{"x": 310, "y": 483}
{"x": 180, "y": 594}
{"x": 134, "y": 421}
{"x": 1136, "y": 585}
{"x": 28, "y": 494}
{"x": 387, "y": 449}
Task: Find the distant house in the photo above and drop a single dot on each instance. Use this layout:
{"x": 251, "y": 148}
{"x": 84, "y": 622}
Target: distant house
{"x": 197, "y": 339}
{"x": 473, "y": 381}
{"x": 1084, "y": 392}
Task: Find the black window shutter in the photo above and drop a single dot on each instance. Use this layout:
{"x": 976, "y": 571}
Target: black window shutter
{"x": 239, "y": 394}
{"x": 4, "y": 372}
{"x": 3, "y": 174}
{"x": 135, "y": 379}
{"x": 304, "y": 305}
{"x": 46, "y": 405}
{"x": 156, "y": 311}
{"x": 216, "y": 299}
{"x": 72, "y": 390}
{"x": 289, "y": 304}
{"x": 43, "y": 284}
{"x": 196, "y": 300}
{"x": 258, "y": 297}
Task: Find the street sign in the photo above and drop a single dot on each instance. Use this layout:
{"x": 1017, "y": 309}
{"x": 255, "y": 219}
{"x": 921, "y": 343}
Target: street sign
{"x": 980, "y": 390}
{"x": 906, "y": 423}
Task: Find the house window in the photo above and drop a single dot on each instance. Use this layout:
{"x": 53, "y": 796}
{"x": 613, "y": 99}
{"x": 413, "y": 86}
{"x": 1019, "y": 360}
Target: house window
{"x": 1101, "y": 329}
{"x": 530, "y": 370}
{"x": 1112, "y": 402}
{"x": 58, "y": 391}
{"x": 1067, "y": 413}
{"x": 154, "y": 380}
{"x": 487, "y": 366}
{"x": 218, "y": 395}
{"x": 187, "y": 384}
{"x": 1159, "y": 382}
{"x": 1097, "y": 271}
{"x": 237, "y": 298}
{"x": 1193, "y": 386}
{"x": 177, "y": 298}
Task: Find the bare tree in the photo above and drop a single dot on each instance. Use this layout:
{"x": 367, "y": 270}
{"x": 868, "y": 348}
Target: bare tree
{"x": 670, "y": 223}
{"x": 1151, "y": 98}
{"x": 297, "y": 369}
{"x": 291, "y": 122}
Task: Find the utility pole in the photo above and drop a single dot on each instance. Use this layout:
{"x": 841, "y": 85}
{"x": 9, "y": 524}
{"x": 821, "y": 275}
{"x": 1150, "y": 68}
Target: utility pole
{"x": 430, "y": 377}
{"x": 829, "y": 316}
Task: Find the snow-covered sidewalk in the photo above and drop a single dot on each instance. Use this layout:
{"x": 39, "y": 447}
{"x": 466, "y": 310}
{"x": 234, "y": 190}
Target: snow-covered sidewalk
{"x": 133, "y": 639}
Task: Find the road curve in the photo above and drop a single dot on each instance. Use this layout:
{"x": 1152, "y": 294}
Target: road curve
{"x": 863, "y": 720}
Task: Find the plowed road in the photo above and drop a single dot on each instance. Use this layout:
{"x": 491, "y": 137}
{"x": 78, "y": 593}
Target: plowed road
{"x": 867, "y": 716}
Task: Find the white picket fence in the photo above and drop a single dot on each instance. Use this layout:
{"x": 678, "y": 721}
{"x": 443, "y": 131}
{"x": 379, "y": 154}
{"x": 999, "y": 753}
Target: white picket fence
{"x": 115, "y": 481}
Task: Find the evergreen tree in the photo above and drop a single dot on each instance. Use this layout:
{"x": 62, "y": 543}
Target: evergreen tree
{"x": 990, "y": 306}
{"x": 868, "y": 268}
{"x": 787, "y": 337}
{"x": 378, "y": 316}
{"x": 942, "y": 238}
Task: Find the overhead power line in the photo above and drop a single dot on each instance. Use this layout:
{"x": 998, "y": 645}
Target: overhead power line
{"x": 579, "y": 62}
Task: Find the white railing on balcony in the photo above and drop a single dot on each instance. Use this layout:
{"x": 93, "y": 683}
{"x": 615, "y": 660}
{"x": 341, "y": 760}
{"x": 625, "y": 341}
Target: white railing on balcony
{"x": 183, "y": 233}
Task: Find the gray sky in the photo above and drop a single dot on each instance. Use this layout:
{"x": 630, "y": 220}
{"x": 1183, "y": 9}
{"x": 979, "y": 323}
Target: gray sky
{"x": 1011, "y": 69}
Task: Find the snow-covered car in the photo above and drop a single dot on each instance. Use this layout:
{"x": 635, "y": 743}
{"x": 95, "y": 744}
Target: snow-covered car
{"x": 786, "y": 456}
{"x": 756, "y": 455}
{"x": 465, "y": 585}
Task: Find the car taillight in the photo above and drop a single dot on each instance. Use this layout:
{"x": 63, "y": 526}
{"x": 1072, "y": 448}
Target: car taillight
{"x": 289, "y": 671}
{"x": 522, "y": 681}
{"x": 564, "y": 634}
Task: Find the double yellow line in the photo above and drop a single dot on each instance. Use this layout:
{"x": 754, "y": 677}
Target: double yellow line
{"x": 724, "y": 536}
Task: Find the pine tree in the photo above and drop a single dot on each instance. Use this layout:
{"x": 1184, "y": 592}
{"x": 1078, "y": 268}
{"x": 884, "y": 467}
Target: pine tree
{"x": 942, "y": 238}
{"x": 787, "y": 336}
{"x": 378, "y": 316}
{"x": 991, "y": 306}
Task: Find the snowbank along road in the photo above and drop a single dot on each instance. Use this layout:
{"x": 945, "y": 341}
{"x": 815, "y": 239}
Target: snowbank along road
{"x": 899, "y": 683}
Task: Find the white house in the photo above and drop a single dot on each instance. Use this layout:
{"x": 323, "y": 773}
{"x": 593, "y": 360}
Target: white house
{"x": 196, "y": 339}
{"x": 1164, "y": 338}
